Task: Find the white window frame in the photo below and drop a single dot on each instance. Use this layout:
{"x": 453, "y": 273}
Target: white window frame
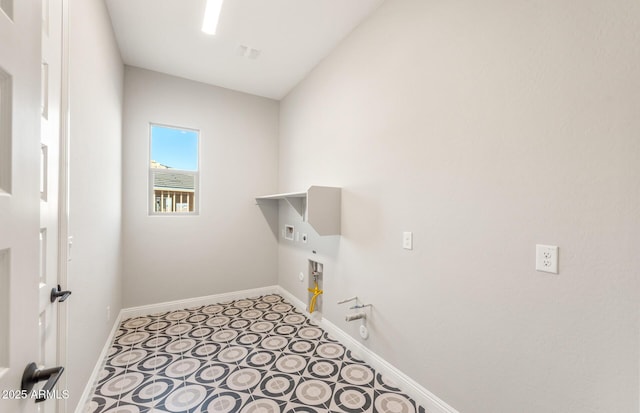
{"x": 196, "y": 174}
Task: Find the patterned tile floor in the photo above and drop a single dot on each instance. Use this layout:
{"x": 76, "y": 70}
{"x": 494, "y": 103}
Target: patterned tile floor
{"x": 256, "y": 355}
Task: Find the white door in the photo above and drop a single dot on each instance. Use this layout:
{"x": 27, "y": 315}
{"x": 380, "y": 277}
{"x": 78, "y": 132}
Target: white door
{"x": 29, "y": 138}
{"x": 50, "y": 97}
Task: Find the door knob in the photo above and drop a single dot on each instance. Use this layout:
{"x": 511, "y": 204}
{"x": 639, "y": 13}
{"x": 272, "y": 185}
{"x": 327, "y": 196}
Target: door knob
{"x": 55, "y": 294}
{"x": 33, "y": 375}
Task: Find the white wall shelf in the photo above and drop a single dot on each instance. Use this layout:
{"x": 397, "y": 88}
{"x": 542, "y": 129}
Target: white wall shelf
{"x": 295, "y": 199}
{"x": 320, "y": 206}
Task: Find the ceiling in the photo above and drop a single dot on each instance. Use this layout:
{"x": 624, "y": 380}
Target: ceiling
{"x": 290, "y": 36}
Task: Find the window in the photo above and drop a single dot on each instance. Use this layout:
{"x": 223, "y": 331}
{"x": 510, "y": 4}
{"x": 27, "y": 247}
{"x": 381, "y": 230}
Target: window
{"x": 173, "y": 171}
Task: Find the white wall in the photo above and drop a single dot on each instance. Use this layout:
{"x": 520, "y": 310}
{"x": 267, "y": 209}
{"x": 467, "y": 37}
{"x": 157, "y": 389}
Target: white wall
{"x": 484, "y": 128}
{"x": 229, "y": 245}
{"x": 96, "y": 75}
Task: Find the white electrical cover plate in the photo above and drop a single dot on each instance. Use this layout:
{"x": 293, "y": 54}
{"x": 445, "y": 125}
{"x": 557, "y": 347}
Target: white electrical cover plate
{"x": 364, "y": 332}
{"x": 407, "y": 240}
{"x": 547, "y": 258}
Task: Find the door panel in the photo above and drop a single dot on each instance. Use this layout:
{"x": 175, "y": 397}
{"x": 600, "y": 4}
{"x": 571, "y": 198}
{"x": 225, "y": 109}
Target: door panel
{"x": 30, "y": 92}
{"x": 19, "y": 195}
{"x": 51, "y": 44}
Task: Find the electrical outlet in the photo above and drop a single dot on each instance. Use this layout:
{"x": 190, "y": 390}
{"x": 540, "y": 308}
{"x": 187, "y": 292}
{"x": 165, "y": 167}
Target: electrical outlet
{"x": 547, "y": 258}
{"x": 407, "y": 240}
{"x": 69, "y": 245}
{"x": 364, "y": 332}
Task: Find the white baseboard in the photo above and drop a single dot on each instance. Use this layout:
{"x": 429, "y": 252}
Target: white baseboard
{"x": 422, "y": 396}
{"x": 195, "y": 302}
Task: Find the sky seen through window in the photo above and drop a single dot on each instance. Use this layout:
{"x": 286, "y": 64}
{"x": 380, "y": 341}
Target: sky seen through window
{"x": 174, "y": 147}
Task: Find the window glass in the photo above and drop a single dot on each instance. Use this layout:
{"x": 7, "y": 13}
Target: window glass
{"x": 173, "y": 170}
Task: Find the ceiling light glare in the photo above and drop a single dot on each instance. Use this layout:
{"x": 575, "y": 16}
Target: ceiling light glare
{"x": 211, "y": 16}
